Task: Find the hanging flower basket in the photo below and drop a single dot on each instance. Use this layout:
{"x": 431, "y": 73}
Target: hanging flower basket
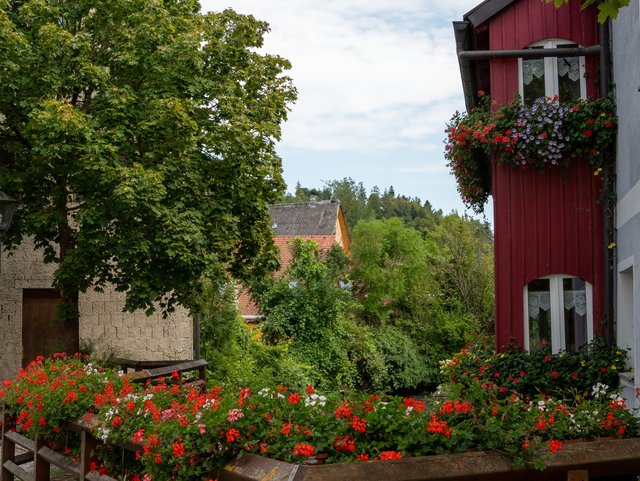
{"x": 543, "y": 135}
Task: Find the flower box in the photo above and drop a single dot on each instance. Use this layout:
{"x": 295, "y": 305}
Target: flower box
{"x": 581, "y": 459}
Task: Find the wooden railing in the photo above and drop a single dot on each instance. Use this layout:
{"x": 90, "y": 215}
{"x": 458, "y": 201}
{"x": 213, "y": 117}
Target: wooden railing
{"x": 43, "y": 457}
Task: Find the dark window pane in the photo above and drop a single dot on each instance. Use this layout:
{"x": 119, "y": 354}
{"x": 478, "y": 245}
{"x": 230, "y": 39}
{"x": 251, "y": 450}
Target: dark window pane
{"x": 568, "y": 75}
{"x": 539, "y": 300}
{"x": 574, "y": 300}
{"x": 532, "y": 78}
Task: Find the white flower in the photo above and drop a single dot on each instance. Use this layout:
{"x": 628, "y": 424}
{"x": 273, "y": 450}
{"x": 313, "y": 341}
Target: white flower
{"x": 104, "y": 434}
{"x": 599, "y": 389}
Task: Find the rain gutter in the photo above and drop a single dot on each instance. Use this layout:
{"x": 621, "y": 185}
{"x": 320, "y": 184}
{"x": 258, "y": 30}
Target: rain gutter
{"x": 609, "y": 201}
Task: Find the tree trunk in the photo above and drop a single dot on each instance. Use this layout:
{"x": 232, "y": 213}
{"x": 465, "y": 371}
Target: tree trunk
{"x": 69, "y": 312}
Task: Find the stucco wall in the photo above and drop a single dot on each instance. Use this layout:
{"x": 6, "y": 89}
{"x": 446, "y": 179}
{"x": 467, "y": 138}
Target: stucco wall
{"x": 626, "y": 71}
{"x": 102, "y": 322}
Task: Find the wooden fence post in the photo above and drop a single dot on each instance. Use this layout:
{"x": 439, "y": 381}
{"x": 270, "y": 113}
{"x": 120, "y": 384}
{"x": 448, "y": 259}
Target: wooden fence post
{"x": 8, "y": 446}
{"x": 42, "y": 466}
{"x": 87, "y": 447}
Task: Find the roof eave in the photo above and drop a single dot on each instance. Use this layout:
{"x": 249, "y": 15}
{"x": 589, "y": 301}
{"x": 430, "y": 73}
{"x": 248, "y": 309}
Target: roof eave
{"x": 487, "y": 9}
{"x": 463, "y": 31}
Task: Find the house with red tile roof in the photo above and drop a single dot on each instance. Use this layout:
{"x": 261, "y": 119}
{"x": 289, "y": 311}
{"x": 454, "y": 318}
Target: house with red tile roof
{"x": 320, "y": 221}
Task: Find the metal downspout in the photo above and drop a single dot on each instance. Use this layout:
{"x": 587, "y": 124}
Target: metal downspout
{"x": 609, "y": 199}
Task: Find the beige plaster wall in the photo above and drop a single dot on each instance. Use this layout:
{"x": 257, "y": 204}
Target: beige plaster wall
{"x": 102, "y": 322}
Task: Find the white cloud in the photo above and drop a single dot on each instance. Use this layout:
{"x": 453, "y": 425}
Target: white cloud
{"x": 371, "y": 74}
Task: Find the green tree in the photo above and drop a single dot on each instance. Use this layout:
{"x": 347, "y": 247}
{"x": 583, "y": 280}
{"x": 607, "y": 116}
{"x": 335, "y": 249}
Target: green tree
{"x": 390, "y": 270}
{"x": 352, "y": 198}
{"x": 303, "y": 194}
{"x": 306, "y": 308}
{"x": 606, "y": 8}
{"x": 465, "y": 269}
{"x": 139, "y": 137}
{"x": 234, "y": 354}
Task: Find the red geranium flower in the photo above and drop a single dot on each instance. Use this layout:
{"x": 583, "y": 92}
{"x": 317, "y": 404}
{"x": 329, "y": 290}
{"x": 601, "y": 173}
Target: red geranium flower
{"x": 178, "y": 449}
{"x": 304, "y": 450}
{"x": 293, "y": 398}
{"x": 389, "y": 455}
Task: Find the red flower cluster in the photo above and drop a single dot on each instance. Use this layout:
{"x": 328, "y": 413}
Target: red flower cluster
{"x": 304, "y": 450}
{"x": 343, "y": 411}
{"x": 438, "y": 427}
{"x": 358, "y": 424}
{"x": 232, "y": 435}
{"x": 178, "y": 449}
{"x": 460, "y": 407}
{"x": 555, "y": 446}
{"x": 390, "y": 455}
{"x": 344, "y": 444}
{"x": 293, "y": 398}
{"x": 414, "y": 404}
{"x": 611, "y": 422}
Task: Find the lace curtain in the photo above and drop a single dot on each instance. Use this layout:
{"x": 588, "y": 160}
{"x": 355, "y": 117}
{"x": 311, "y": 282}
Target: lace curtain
{"x": 541, "y": 301}
{"x": 532, "y": 68}
{"x": 569, "y": 67}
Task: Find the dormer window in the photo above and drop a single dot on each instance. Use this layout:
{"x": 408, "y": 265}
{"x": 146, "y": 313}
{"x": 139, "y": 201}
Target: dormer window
{"x": 551, "y": 76}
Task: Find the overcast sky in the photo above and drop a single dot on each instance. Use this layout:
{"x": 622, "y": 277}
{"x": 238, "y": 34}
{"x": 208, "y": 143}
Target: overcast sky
{"x": 377, "y": 80}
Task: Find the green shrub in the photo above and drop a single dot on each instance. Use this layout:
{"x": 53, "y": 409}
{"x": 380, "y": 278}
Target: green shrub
{"x": 407, "y": 369}
{"x": 234, "y": 354}
{"x": 561, "y": 375}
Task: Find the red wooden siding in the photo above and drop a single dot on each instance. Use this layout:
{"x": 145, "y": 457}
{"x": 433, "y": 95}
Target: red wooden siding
{"x": 545, "y": 223}
{"x": 527, "y": 21}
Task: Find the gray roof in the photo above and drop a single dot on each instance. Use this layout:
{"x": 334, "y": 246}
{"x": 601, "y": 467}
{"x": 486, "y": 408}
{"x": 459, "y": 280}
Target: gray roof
{"x": 484, "y": 11}
{"x": 307, "y": 219}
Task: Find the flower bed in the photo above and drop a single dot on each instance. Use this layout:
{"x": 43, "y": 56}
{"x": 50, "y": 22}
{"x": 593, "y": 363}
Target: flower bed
{"x": 178, "y": 432}
{"x": 543, "y": 135}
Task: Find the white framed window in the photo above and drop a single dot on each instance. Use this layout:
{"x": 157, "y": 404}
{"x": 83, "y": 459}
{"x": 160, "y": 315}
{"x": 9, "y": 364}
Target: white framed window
{"x": 551, "y": 76}
{"x": 558, "y": 311}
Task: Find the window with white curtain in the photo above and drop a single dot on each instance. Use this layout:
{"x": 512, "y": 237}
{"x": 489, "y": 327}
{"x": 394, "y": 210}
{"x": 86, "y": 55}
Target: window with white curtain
{"x": 558, "y": 312}
{"x": 551, "y": 76}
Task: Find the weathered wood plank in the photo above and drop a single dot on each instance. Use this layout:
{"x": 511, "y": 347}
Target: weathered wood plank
{"x": 141, "y": 375}
{"x": 21, "y": 440}
{"x": 182, "y": 367}
{"x": 88, "y": 445}
{"x": 23, "y": 458}
{"x": 42, "y": 468}
{"x": 596, "y": 458}
{"x": 578, "y": 475}
{"x": 16, "y": 470}
{"x": 8, "y": 446}
{"x": 137, "y": 365}
{"x": 258, "y": 468}
{"x": 66, "y": 464}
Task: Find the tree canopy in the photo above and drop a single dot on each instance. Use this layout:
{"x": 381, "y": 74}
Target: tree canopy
{"x": 606, "y": 8}
{"x": 139, "y": 136}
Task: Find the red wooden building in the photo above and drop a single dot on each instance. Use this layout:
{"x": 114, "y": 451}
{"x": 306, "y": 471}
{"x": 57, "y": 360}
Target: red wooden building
{"x": 549, "y": 236}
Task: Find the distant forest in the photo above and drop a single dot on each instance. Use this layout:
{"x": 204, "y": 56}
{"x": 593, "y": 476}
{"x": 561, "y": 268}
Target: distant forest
{"x": 357, "y": 204}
